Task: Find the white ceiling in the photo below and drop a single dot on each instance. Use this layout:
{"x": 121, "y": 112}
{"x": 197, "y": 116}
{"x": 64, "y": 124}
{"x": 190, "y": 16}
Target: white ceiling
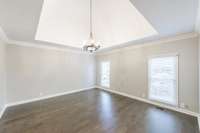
{"x": 115, "y": 21}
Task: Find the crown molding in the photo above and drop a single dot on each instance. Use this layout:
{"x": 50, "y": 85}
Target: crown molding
{"x": 103, "y": 51}
{"x": 46, "y": 46}
{"x": 148, "y": 43}
{"x": 9, "y": 41}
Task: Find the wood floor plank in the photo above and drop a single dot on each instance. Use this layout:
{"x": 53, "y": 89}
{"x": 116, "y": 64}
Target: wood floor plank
{"x": 94, "y": 111}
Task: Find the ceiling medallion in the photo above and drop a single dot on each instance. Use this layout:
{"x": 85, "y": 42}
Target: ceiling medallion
{"x": 91, "y": 46}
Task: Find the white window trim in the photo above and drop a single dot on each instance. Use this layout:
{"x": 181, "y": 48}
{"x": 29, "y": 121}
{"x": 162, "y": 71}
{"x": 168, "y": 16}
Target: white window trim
{"x": 106, "y": 61}
{"x": 177, "y": 78}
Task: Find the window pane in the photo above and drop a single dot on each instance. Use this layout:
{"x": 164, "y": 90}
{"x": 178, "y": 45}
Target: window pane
{"x": 163, "y": 79}
{"x": 105, "y": 74}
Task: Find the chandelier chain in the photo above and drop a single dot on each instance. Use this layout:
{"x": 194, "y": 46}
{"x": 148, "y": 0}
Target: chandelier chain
{"x": 91, "y": 45}
{"x": 91, "y": 28}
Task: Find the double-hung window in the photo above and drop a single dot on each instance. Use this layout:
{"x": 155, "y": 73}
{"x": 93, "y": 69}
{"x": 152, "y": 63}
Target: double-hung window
{"x": 105, "y": 74}
{"x": 163, "y": 79}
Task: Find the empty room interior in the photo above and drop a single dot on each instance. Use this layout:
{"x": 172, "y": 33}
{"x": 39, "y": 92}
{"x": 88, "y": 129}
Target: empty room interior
{"x": 99, "y": 66}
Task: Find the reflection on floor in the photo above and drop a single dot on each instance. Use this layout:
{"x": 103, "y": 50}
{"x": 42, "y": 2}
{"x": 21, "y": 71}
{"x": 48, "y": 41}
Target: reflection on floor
{"x": 94, "y": 111}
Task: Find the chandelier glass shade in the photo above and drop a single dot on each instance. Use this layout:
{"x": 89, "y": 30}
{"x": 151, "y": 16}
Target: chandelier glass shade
{"x": 91, "y": 45}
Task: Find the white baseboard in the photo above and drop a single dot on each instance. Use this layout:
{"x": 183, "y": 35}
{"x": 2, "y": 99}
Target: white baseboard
{"x": 45, "y": 97}
{"x": 2, "y": 111}
{"x": 151, "y": 102}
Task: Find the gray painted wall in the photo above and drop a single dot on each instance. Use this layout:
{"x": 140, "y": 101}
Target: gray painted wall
{"x": 199, "y": 69}
{"x": 197, "y": 28}
{"x": 34, "y": 71}
{"x": 129, "y": 69}
{"x": 2, "y": 76}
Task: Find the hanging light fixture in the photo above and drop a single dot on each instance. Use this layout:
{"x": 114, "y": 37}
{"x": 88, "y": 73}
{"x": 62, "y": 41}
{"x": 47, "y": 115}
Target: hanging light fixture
{"x": 91, "y": 45}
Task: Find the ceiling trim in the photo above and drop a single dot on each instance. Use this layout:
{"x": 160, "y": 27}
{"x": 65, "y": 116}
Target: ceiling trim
{"x": 156, "y": 42}
{"x": 103, "y": 51}
{"x": 45, "y": 46}
{"x": 8, "y": 41}
{"x": 3, "y": 36}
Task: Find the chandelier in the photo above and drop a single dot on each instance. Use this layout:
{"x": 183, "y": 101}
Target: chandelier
{"x": 91, "y": 45}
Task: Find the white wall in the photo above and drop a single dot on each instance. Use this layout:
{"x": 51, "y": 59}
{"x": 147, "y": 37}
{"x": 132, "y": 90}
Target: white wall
{"x": 129, "y": 69}
{"x": 34, "y": 71}
{"x": 2, "y": 76}
{"x": 197, "y": 28}
{"x": 199, "y": 67}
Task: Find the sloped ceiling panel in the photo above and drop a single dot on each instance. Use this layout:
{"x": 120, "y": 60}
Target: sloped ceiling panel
{"x": 115, "y": 22}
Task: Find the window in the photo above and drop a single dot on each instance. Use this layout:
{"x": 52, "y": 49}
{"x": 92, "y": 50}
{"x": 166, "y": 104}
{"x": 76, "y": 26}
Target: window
{"x": 105, "y": 74}
{"x": 163, "y": 79}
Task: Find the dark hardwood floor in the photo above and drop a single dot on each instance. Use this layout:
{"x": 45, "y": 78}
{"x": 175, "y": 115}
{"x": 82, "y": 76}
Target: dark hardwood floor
{"x": 94, "y": 111}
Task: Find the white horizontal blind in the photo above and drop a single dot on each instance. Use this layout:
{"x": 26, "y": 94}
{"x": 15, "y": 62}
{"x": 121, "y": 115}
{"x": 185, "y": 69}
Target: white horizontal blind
{"x": 105, "y": 74}
{"x": 163, "y": 79}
